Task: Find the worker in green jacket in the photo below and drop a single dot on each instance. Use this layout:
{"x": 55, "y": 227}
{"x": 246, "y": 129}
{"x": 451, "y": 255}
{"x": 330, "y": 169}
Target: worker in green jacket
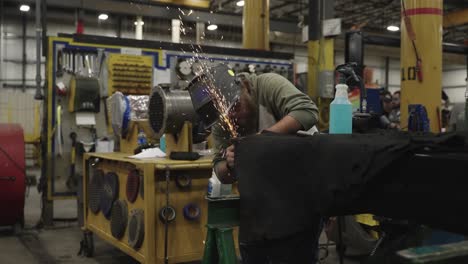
{"x": 267, "y": 102}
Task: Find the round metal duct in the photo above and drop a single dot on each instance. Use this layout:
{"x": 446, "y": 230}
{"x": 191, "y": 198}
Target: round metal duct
{"x": 136, "y": 228}
{"x": 95, "y": 191}
{"x": 133, "y": 185}
{"x": 110, "y": 191}
{"x": 119, "y": 218}
{"x": 169, "y": 109}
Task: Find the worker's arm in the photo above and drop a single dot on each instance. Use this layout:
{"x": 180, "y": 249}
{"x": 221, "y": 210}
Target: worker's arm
{"x": 287, "y": 125}
{"x": 295, "y": 109}
{"x": 223, "y": 168}
{"x": 224, "y": 153}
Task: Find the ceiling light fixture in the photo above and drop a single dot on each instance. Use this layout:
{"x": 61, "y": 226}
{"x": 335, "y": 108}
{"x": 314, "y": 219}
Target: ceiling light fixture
{"x": 393, "y": 28}
{"x": 103, "y": 17}
{"x": 24, "y": 8}
{"x": 212, "y": 27}
{"x": 240, "y": 3}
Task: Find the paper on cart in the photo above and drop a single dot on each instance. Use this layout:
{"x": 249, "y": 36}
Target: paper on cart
{"x": 149, "y": 154}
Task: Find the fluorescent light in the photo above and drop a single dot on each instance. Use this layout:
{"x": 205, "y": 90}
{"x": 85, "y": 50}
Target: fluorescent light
{"x": 212, "y": 27}
{"x": 24, "y": 8}
{"x": 393, "y": 28}
{"x": 136, "y": 23}
{"x": 240, "y": 3}
{"x": 103, "y": 17}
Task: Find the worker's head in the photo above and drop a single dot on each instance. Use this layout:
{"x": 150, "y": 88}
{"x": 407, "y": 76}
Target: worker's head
{"x": 387, "y": 102}
{"x": 396, "y": 99}
{"x": 219, "y": 91}
{"x": 244, "y": 112}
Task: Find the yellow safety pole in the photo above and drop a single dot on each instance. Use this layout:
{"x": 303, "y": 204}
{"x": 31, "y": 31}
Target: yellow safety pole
{"x": 320, "y": 58}
{"x": 256, "y": 25}
{"x": 313, "y": 47}
{"x": 421, "y": 84}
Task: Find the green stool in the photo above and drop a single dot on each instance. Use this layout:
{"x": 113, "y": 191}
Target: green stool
{"x": 223, "y": 216}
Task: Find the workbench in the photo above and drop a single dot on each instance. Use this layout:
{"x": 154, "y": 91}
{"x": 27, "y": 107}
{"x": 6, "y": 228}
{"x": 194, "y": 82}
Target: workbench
{"x": 185, "y": 237}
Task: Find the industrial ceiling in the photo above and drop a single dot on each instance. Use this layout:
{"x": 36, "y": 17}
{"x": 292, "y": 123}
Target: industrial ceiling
{"x": 372, "y": 15}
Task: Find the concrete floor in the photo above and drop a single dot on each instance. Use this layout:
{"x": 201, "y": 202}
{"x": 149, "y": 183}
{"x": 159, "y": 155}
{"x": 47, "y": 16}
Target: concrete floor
{"x": 60, "y": 244}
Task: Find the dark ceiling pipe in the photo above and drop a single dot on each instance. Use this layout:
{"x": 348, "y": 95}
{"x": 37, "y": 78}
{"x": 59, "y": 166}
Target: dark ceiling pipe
{"x": 314, "y": 20}
{"x": 38, "y": 95}
{"x": 395, "y": 42}
{"x": 24, "y": 22}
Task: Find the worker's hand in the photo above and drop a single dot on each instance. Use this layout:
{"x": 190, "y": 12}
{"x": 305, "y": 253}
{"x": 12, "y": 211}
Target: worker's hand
{"x": 394, "y": 126}
{"x": 230, "y": 156}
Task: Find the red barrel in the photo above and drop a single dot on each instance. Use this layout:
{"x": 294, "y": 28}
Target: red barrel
{"x": 12, "y": 174}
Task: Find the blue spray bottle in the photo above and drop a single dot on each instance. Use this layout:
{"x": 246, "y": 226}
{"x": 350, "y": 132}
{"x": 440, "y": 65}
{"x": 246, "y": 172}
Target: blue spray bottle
{"x": 341, "y": 112}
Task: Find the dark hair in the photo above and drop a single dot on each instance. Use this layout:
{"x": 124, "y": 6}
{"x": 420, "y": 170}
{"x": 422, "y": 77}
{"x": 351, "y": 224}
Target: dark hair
{"x": 397, "y": 92}
{"x": 386, "y": 96}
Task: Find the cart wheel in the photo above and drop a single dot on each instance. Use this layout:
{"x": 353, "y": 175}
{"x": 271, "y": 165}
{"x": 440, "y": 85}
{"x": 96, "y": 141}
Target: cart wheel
{"x": 88, "y": 244}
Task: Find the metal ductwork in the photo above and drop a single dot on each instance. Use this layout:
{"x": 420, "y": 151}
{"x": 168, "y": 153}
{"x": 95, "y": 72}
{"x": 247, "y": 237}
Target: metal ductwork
{"x": 169, "y": 109}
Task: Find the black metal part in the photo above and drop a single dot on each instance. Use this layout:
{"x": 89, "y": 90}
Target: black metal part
{"x": 314, "y": 20}
{"x": 95, "y": 189}
{"x": 349, "y": 71}
{"x": 136, "y": 228}
{"x": 341, "y": 249}
{"x": 119, "y": 218}
{"x": 184, "y": 155}
{"x": 110, "y": 193}
{"x": 23, "y": 37}
{"x": 142, "y": 187}
{"x": 166, "y": 223}
{"x": 387, "y": 72}
{"x": 133, "y": 185}
{"x": 354, "y": 50}
{"x": 86, "y": 245}
{"x": 167, "y": 214}
{"x": 72, "y": 182}
{"x": 183, "y": 181}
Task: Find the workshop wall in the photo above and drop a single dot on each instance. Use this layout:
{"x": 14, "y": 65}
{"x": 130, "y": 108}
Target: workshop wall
{"x": 455, "y": 85}
{"x": 11, "y": 44}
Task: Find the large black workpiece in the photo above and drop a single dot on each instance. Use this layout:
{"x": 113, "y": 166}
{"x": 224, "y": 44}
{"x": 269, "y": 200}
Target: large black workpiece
{"x": 286, "y": 181}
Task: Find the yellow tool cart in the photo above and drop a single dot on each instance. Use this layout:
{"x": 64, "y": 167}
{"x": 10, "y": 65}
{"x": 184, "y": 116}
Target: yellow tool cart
{"x": 125, "y": 203}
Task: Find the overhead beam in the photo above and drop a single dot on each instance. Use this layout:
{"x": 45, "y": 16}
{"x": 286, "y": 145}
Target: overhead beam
{"x": 189, "y": 3}
{"x": 456, "y": 18}
{"x": 395, "y": 42}
{"x": 160, "y": 11}
{"x": 280, "y": 5}
{"x": 297, "y": 9}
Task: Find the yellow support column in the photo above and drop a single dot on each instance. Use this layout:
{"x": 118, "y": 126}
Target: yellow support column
{"x": 256, "y": 25}
{"x": 313, "y": 47}
{"x": 425, "y": 88}
{"x": 320, "y": 58}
